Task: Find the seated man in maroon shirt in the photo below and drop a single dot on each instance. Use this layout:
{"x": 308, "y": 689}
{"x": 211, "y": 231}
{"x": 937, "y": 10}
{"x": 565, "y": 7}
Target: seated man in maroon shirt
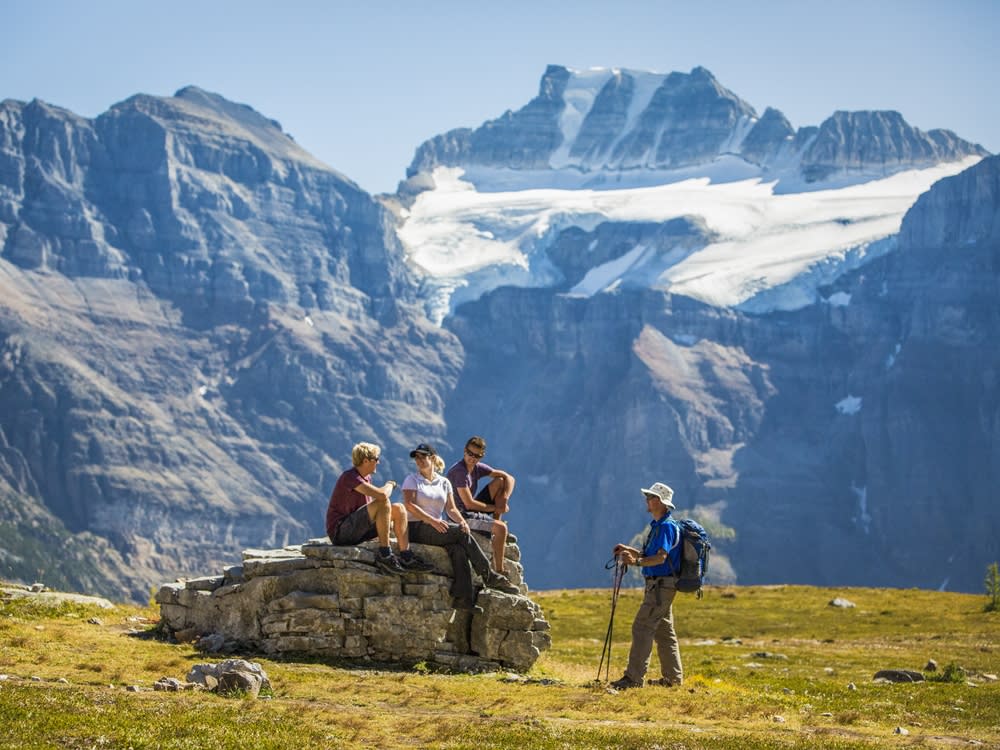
{"x": 482, "y": 510}
{"x": 359, "y": 511}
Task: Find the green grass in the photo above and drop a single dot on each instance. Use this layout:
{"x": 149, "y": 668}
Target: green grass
{"x": 766, "y": 667}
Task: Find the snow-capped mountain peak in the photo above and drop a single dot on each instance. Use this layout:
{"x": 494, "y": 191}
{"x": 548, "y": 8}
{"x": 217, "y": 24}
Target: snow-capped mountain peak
{"x": 602, "y": 155}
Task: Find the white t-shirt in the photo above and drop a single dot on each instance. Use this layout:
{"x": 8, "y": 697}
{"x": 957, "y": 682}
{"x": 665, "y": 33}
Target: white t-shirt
{"x": 432, "y": 494}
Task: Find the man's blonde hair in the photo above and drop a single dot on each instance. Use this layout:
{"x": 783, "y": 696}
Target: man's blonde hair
{"x": 363, "y": 451}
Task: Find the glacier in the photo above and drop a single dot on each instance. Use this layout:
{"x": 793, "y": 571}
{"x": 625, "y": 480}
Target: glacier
{"x": 771, "y": 244}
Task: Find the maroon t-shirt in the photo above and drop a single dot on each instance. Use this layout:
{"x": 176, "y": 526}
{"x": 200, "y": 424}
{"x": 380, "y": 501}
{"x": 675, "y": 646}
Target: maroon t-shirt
{"x": 459, "y": 476}
{"x": 345, "y": 499}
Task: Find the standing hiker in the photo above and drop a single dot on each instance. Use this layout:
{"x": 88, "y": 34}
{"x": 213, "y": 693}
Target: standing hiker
{"x": 655, "y": 621}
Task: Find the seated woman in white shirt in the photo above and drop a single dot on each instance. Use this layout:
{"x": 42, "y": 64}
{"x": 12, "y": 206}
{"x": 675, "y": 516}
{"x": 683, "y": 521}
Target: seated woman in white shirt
{"x": 428, "y": 498}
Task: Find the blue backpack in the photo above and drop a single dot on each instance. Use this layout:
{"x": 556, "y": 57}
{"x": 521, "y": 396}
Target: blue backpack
{"x": 694, "y": 556}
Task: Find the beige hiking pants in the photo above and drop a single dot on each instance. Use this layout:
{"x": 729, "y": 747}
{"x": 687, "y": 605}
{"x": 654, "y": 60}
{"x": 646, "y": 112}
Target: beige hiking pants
{"x": 654, "y": 622}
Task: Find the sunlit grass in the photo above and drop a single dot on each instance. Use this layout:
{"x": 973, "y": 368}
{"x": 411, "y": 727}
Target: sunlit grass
{"x": 765, "y": 667}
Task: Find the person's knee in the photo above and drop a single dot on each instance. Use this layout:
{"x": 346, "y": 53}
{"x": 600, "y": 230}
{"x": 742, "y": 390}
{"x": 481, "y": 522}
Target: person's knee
{"x": 500, "y": 528}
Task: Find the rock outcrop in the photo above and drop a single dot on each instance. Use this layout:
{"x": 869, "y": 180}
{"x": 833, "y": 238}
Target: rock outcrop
{"x": 325, "y": 601}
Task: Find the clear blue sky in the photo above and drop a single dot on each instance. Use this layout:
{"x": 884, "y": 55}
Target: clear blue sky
{"x": 361, "y": 83}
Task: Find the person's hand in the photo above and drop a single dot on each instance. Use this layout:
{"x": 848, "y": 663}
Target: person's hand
{"x": 439, "y": 525}
{"x": 464, "y": 526}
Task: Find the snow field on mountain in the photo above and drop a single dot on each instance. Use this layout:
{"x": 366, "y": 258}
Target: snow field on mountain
{"x": 768, "y": 251}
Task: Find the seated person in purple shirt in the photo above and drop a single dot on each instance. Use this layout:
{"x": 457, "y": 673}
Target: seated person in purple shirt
{"x": 484, "y": 508}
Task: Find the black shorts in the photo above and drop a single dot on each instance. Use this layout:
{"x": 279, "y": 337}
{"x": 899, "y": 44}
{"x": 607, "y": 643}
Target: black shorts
{"x": 356, "y": 528}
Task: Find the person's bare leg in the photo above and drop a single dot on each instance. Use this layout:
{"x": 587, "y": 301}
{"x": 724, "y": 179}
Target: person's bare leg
{"x": 499, "y": 545}
{"x": 378, "y": 511}
{"x": 501, "y": 506}
{"x": 400, "y": 526}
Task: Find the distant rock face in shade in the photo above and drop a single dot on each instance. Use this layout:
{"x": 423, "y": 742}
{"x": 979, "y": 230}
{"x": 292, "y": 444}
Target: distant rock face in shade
{"x": 821, "y": 446}
{"x": 879, "y": 141}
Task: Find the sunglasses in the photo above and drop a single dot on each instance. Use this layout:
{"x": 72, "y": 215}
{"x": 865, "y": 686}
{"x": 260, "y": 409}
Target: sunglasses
{"x": 474, "y": 455}
{"x": 376, "y": 459}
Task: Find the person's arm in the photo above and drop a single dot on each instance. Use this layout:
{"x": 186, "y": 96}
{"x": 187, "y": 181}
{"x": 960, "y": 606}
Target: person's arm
{"x": 627, "y": 554}
{"x": 650, "y": 560}
{"x": 661, "y": 543}
{"x": 379, "y": 493}
{"x": 471, "y": 503}
{"x": 419, "y": 514}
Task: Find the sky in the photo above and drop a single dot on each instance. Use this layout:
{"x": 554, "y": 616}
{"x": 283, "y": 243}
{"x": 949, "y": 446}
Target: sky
{"x": 362, "y": 84}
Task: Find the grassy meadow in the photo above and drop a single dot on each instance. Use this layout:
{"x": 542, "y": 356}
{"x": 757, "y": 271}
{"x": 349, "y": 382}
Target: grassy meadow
{"x": 765, "y": 667}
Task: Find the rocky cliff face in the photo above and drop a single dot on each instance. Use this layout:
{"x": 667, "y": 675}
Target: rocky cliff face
{"x": 878, "y": 142}
{"x": 198, "y": 321}
{"x": 621, "y": 121}
{"x": 822, "y": 446}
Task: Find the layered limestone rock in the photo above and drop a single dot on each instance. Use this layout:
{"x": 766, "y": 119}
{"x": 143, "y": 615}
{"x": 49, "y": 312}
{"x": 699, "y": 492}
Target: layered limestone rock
{"x": 322, "y": 600}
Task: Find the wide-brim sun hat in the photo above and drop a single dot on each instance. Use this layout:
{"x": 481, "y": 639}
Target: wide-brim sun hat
{"x": 661, "y": 491}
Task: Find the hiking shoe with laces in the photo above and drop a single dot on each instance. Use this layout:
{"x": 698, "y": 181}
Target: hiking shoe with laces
{"x": 389, "y": 564}
{"x": 414, "y": 564}
{"x": 625, "y": 683}
{"x": 501, "y": 583}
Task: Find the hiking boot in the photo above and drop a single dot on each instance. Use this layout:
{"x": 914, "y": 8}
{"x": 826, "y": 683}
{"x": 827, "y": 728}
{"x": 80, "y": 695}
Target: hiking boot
{"x": 413, "y": 564}
{"x": 389, "y": 564}
{"x": 625, "y": 683}
{"x": 662, "y": 682}
{"x": 501, "y": 583}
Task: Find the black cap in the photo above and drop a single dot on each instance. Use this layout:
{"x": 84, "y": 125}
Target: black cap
{"x": 423, "y": 449}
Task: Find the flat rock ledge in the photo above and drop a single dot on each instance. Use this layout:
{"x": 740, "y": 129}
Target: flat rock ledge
{"x": 323, "y": 601}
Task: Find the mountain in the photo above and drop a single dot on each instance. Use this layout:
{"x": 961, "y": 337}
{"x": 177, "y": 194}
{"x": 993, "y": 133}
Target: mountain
{"x": 198, "y": 321}
{"x": 616, "y": 122}
{"x": 651, "y": 281}
{"x": 850, "y": 441}
{"x": 632, "y": 278}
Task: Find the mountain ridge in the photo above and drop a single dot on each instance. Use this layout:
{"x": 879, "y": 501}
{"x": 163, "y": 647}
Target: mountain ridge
{"x": 604, "y": 120}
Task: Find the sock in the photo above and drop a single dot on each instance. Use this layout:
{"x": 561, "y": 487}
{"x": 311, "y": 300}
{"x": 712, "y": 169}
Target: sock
{"x": 385, "y": 551}
{"x": 406, "y": 554}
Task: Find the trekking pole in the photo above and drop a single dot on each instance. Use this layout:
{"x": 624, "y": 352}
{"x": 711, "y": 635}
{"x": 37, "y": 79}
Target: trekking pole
{"x": 619, "y": 574}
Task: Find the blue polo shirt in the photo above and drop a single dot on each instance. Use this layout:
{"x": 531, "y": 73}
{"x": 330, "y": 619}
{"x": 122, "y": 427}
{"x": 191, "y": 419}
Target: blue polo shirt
{"x": 663, "y": 535}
